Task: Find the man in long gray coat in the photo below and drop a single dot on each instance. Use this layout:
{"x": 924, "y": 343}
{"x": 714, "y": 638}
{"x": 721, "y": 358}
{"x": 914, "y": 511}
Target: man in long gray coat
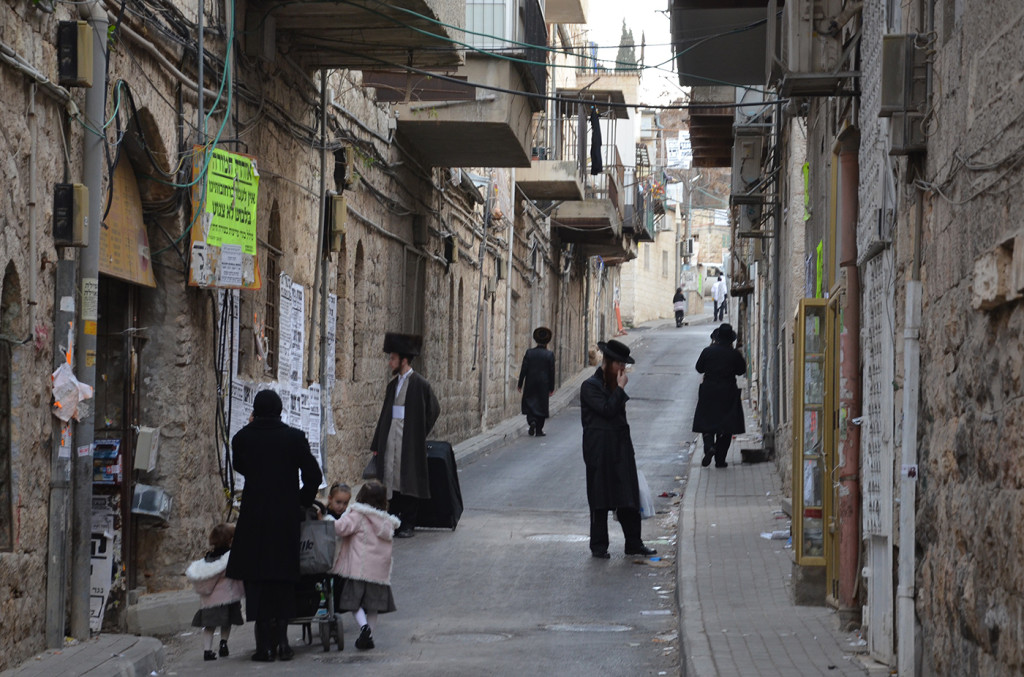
{"x": 399, "y": 443}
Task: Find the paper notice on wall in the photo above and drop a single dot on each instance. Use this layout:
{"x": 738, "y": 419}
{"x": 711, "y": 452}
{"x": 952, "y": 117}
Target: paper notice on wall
{"x": 238, "y": 409}
{"x": 101, "y": 560}
{"x": 329, "y": 374}
{"x": 230, "y": 304}
{"x": 298, "y": 334}
{"x": 292, "y": 400}
{"x": 284, "y": 329}
{"x": 229, "y": 272}
{"x": 313, "y": 430}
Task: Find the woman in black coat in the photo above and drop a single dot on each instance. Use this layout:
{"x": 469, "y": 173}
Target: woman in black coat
{"x": 537, "y": 381}
{"x": 719, "y": 413}
{"x": 265, "y": 552}
{"x": 608, "y": 453}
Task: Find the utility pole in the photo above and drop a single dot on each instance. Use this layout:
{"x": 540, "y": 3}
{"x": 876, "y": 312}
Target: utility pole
{"x": 85, "y": 353}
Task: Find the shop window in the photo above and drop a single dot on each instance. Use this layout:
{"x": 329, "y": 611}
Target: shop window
{"x": 10, "y": 311}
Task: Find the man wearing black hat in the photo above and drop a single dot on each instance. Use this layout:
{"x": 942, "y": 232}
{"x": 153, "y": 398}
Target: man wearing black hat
{"x": 538, "y": 376}
{"x": 719, "y": 413}
{"x": 265, "y": 553}
{"x": 399, "y": 443}
{"x": 612, "y": 482}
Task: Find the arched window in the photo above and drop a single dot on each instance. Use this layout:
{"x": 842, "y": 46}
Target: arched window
{"x": 10, "y": 332}
{"x": 359, "y": 318}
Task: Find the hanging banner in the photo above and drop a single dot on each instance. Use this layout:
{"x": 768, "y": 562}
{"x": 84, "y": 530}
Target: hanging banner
{"x": 223, "y": 252}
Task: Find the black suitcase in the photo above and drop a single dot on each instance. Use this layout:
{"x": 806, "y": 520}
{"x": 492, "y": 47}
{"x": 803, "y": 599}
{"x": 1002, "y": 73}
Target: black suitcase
{"x": 444, "y": 507}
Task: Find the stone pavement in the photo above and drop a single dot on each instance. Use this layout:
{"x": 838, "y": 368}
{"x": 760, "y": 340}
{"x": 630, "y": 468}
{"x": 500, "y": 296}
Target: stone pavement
{"x": 103, "y": 656}
{"x": 736, "y": 611}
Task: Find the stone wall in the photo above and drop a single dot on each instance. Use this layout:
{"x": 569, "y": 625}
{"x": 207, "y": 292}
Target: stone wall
{"x": 649, "y": 280}
{"x": 970, "y": 521}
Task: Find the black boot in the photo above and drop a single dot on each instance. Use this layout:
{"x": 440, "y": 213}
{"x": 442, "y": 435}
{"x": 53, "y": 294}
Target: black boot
{"x": 264, "y": 652}
{"x": 284, "y": 652}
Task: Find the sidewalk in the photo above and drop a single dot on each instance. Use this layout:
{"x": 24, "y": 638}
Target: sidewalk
{"x": 168, "y": 613}
{"x": 736, "y": 612}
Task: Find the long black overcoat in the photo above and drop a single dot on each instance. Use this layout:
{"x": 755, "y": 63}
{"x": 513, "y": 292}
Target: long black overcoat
{"x": 719, "y": 407}
{"x": 607, "y": 447}
{"x": 537, "y": 379}
{"x": 271, "y": 455}
{"x": 421, "y": 412}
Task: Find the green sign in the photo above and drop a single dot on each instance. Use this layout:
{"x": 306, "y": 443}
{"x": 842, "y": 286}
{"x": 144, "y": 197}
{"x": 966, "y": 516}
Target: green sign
{"x": 232, "y": 185}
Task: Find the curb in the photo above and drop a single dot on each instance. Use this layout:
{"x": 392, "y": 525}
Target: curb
{"x": 106, "y": 655}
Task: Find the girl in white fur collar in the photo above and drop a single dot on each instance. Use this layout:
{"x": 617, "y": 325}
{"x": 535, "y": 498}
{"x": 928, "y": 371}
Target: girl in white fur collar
{"x": 219, "y": 596}
{"x": 364, "y": 559}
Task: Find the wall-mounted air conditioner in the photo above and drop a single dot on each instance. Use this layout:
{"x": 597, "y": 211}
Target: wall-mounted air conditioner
{"x": 804, "y": 51}
{"x": 904, "y": 75}
{"x": 747, "y": 155}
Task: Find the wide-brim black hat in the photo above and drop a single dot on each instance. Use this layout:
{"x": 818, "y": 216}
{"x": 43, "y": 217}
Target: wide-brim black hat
{"x": 403, "y": 344}
{"x": 724, "y": 334}
{"x": 542, "y": 335}
{"x": 614, "y": 350}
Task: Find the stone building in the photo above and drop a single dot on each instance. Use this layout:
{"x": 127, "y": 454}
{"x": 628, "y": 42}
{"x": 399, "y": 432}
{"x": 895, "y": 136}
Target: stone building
{"x": 364, "y": 221}
{"x": 874, "y": 189}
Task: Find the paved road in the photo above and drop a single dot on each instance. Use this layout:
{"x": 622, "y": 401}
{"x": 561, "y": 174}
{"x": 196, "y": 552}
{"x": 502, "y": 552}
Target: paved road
{"x": 513, "y": 590}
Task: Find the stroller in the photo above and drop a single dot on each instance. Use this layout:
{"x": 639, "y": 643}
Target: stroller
{"x": 314, "y": 593}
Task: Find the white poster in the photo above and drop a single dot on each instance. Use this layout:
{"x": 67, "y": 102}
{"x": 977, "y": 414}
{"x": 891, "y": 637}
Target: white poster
{"x": 329, "y": 377}
{"x": 101, "y": 559}
{"x": 284, "y": 330}
{"x": 298, "y": 334}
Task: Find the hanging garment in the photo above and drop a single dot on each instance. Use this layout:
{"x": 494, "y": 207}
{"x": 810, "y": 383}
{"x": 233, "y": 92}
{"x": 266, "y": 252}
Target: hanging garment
{"x": 596, "y": 166}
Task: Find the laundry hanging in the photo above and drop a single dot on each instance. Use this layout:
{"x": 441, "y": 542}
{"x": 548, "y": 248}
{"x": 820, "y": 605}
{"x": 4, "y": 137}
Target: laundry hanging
{"x": 596, "y": 166}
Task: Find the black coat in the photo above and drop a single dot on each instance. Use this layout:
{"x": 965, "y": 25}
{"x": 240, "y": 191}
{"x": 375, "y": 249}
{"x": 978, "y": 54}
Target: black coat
{"x": 421, "y": 412}
{"x": 607, "y": 447}
{"x": 538, "y": 375}
{"x": 271, "y": 455}
{"x": 719, "y": 408}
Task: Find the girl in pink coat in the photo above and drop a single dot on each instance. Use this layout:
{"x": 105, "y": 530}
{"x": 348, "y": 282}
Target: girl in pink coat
{"x": 219, "y": 596}
{"x": 364, "y": 559}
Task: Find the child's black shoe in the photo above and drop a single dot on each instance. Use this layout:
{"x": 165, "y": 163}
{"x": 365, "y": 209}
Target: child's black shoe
{"x": 223, "y": 649}
{"x": 209, "y": 656}
{"x": 365, "y": 639}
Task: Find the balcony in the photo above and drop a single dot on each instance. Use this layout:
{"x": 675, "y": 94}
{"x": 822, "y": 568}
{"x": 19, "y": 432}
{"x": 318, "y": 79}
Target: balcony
{"x": 555, "y": 172}
{"x": 566, "y": 11}
{"x": 470, "y": 126}
{"x": 595, "y": 223}
{"x": 356, "y": 34}
{"x": 719, "y": 42}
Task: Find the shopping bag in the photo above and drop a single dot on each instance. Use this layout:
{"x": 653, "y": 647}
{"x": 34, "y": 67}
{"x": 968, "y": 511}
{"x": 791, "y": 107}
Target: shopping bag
{"x": 646, "y": 501}
{"x": 316, "y": 546}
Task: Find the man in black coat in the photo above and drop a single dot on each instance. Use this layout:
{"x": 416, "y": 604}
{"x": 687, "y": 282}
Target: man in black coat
{"x": 537, "y": 375}
{"x": 399, "y": 443}
{"x": 265, "y": 553}
{"x": 719, "y": 413}
{"x": 612, "y": 482}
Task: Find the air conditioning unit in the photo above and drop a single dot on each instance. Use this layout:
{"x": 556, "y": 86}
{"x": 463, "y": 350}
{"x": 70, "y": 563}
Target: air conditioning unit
{"x": 803, "y": 50}
{"x": 904, "y": 74}
{"x": 747, "y": 152}
{"x": 151, "y": 501}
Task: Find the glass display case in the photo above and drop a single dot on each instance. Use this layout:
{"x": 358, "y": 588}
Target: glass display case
{"x": 811, "y": 395}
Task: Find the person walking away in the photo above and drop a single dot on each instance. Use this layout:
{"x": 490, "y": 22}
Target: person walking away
{"x": 220, "y": 597}
{"x": 612, "y": 482}
{"x": 537, "y": 381}
{"x": 679, "y": 306}
{"x": 719, "y": 294}
{"x": 719, "y": 413}
{"x": 399, "y": 442}
{"x": 366, "y": 531}
{"x": 271, "y": 455}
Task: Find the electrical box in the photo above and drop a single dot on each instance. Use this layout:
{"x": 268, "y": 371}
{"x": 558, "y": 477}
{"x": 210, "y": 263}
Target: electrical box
{"x": 146, "y": 449}
{"x": 70, "y": 215}
{"x": 338, "y": 222}
{"x": 74, "y": 54}
{"x": 151, "y": 501}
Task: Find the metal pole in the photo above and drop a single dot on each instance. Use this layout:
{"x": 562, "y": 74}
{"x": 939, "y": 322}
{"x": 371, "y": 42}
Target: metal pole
{"x": 85, "y": 352}
{"x": 319, "y": 256}
{"x": 60, "y": 467}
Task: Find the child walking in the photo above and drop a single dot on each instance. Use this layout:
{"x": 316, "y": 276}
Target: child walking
{"x": 219, "y": 596}
{"x": 364, "y": 559}
{"x": 337, "y": 500}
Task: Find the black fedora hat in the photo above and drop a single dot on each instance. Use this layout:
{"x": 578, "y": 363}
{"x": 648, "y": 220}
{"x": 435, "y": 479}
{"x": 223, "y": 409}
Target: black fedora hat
{"x": 614, "y": 350}
{"x": 724, "y": 334}
{"x": 408, "y": 345}
{"x": 542, "y": 335}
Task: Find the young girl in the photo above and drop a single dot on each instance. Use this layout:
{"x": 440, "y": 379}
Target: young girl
{"x": 364, "y": 560}
{"x": 337, "y": 500}
{"x": 219, "y": 596}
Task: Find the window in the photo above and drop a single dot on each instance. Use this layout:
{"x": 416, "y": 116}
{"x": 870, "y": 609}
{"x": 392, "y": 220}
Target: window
{"x": 270, "y": 310}
{"x": 664, "y": 263}
{"x": 647, "y": 256}
{"x": 10, "y": 304}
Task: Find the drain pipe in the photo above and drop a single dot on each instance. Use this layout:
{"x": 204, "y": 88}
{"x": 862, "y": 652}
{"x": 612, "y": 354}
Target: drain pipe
{"x": 849, "y": 382}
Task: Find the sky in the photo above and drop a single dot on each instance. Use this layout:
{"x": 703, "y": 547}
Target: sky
{"x": 648, "y": 19}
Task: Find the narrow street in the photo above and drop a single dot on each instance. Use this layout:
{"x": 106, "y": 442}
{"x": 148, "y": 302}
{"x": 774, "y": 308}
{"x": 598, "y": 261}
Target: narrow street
{"x": 513, "y": 590}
